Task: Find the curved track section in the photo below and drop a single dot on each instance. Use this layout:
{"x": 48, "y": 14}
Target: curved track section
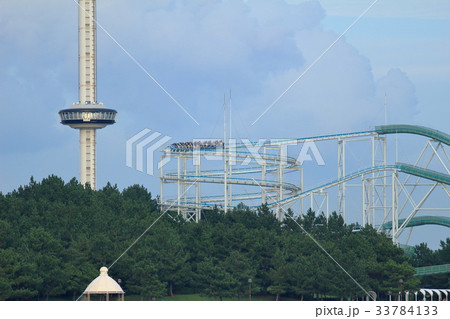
{"x": 232, "y": 180}
{"x": 420, "y": 221}
{"x": 424, "y": 173}
{"x": 217, "y": 176}
{"x": 414, "y": 129}
{"x": 379, "y": 130}
{"x": 401, "y": 167}
{"x": 293, "y": 189}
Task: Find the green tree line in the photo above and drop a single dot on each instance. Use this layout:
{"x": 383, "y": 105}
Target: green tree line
{"x": 54, "y": 237}
{"x": 424, "y": 256}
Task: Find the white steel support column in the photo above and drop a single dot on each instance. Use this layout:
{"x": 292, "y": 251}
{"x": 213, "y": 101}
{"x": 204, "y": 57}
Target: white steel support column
{"x": 231, "y": 161}
{"x": 280, "y": 213}
{"x": 183, "y": 185}
{"x": 394, "y": 208}
{"x": 179, "y": 185}
{"x": 197, "y": 189}
{"x": 341, "y": 173}
{"x": 225, "y": 183}
{"x": 225, "y": 158}
{"x": 231, "y": 146}
{"x": 381, "y": 146}
{"x": 263, "y": 177}
{"x": 161, "y": 185}
{"x": 365, "y": 200}
{"x": 230, "y": 190}
{"x": 385, "y": 208}
{"x": 372, "y": 186}
{"x": 301, "y": 190}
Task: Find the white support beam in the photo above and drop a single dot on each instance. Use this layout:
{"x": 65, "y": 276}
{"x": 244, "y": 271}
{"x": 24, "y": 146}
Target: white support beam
{"x": 440, "y": 159}
{"x": 413, "y": 213}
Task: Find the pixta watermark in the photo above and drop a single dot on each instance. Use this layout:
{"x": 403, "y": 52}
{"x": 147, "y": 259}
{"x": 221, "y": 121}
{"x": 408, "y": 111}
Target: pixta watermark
{"x": 143, "y": 151}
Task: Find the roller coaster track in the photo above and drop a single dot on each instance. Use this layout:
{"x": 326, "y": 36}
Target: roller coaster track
{"x": 401, "y": 167}
{"x": 232, "y": 180}
{"x": 379, "y": 130}
{"x": 414, "y": 129}
{"x": 273, "y": 163}
{"x": 433, "y": 270}
{"x": 420, "y": 221}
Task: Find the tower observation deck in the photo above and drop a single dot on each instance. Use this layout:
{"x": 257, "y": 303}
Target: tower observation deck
{"x": 87, "y": 115}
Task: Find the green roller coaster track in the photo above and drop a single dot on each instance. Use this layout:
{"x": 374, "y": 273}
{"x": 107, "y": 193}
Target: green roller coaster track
{"x": 432, "y": 270}
{"x": 422, "y": 220}
{"x": 424, "y": 172}
{"x": 409, "y": 250}
{"x": 402, "y": 167}
{"x": 414, "y": 129}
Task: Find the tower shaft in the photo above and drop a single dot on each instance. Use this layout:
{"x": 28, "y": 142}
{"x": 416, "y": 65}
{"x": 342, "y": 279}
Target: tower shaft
{"x": 87, "y": 115}
{"x": 87, "y": 52}
{"x": 87, "y": 86}
{"x": 88, "y": 157}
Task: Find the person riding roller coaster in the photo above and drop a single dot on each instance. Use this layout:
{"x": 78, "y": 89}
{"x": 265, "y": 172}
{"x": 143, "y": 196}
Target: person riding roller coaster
{"x": 190, "y": 146}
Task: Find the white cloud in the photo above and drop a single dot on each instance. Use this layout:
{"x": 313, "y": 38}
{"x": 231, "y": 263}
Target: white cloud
{"x": 198, "y": 50}
{"x": 400, "y": 96}
{"x": 421, "y": 9}
{"x": 338, "y": 94}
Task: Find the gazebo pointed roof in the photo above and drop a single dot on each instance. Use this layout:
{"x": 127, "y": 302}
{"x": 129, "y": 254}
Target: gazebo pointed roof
{"x": 103, "y": 284}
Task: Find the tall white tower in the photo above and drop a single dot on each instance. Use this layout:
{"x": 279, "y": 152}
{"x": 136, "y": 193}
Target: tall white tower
{"x": 87, "y": 115}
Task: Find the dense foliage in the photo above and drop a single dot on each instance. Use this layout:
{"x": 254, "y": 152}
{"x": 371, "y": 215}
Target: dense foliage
{"x": 424, "y": 256}
{"x": 54, "y": 237}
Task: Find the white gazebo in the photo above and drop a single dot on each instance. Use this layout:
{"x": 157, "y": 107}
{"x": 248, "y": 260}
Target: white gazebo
{"x": 103, "y": 288}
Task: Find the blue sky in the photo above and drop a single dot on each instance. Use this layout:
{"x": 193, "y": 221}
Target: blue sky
{"x": 199, "y": 50}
